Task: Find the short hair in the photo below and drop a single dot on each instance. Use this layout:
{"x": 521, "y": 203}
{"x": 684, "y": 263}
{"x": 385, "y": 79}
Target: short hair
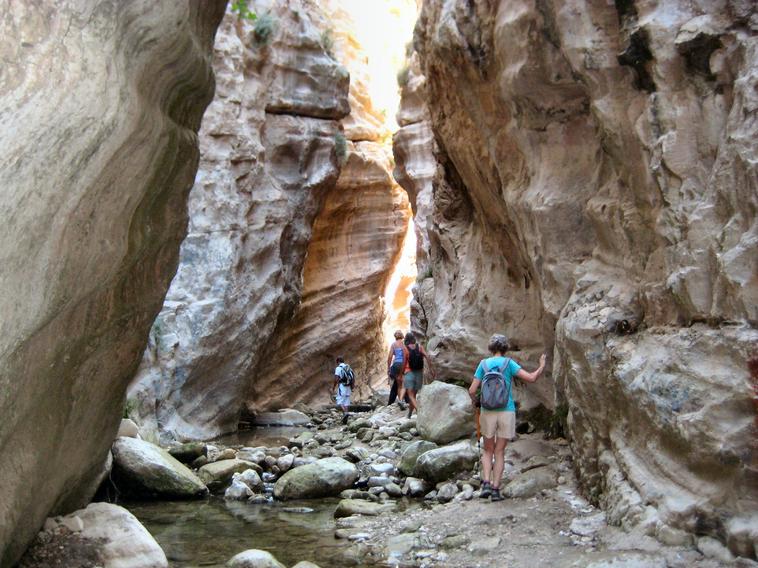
{"x": 410, "y": 338}
{"x": 340, "y": 359}
{"x": 398, "y": 334}
{"x": 498, "y": 344}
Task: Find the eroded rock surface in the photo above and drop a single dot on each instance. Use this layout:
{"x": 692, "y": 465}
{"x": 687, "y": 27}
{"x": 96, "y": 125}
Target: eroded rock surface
{"x": 100, "y": 105}
{"x": 594, "y": 192}
{"x": 268, "y": 159}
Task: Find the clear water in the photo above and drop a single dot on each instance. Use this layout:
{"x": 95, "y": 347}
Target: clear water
{"x": 210, "y": 532}
{"x": 271, "y": 436}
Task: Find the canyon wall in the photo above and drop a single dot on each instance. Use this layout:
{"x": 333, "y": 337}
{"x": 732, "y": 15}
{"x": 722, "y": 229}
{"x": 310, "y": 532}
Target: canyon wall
{"x": 101, "y": 102}
{"x": 587, "y": 182}
{"x": 286, "y": 260}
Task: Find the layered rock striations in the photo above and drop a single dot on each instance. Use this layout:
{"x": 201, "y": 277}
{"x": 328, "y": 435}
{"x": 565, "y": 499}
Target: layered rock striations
{"x": 101, "y": 103}
{"x": 269, "y": 158}
{"x": 354, "y": 247}
{"x": 595, "y": 196}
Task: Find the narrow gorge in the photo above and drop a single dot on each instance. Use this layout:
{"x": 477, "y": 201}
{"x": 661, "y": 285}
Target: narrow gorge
{"x": 205, "y": 204}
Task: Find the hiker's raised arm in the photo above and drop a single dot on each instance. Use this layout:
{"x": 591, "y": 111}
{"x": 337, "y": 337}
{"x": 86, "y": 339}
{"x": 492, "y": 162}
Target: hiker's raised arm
{"x": 473, "y": 388}
{"x": 534, "y": 375}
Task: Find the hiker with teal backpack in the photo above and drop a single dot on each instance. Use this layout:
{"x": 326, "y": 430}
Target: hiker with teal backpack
{"x": 491, "y": 389}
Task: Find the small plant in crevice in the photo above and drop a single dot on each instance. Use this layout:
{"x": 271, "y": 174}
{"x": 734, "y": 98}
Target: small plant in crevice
{"x": 264, "y": 27}
{"x": 327, "y": 42}
{"x": 242, "y": 10}
{"x": 403, "y": 76}
{"x": 129, "y": 407}
{"x": 340, "y": 148}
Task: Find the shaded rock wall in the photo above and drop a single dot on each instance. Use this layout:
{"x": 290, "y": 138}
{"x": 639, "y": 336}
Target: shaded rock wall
{"x": 101, "y": 102}
{"x": 268, "y": 160}
{"x": 595, "y": 196}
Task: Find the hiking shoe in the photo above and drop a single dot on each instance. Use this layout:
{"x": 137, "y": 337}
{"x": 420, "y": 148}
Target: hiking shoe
{"x": 486, "y": 490}
{"x": 402, "y": 405}
{"x": 344, "y": 419}
{"x": 410, "y": 413}
{"x": 496, "y": 495}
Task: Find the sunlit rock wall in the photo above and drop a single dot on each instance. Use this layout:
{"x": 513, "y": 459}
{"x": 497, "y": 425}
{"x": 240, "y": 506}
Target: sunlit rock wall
{"x": 596, "y": 197}
{"x": 268, "y": 160}
{"x": 355, "y": 245}
{"x": 100, "y": 103}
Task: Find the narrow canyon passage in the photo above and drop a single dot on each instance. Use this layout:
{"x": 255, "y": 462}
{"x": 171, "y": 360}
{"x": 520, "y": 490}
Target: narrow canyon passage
{"x": 204, "y": 208}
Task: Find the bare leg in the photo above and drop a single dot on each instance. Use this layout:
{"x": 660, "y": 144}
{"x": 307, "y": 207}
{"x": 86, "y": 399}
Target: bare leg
{"x": 400, "y": 388}
{"x": 497, "y": 474}
{"x": 489, "y": 447}
{"x": 412, "y": 397}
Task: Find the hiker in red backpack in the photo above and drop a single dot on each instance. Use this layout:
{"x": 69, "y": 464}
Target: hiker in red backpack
{"x": 414, "y": 370}
{"x": 491, "y": 389}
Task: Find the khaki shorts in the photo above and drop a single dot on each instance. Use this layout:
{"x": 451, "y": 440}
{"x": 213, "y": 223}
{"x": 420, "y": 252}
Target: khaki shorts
{"x": 498, "y": 424}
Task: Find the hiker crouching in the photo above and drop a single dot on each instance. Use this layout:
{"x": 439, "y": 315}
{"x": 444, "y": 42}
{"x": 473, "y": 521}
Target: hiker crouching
{"x": 492, "y": 390}
{"x": 344, "y": 380}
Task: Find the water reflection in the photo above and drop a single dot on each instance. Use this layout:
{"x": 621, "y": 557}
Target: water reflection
{"x": 269, "y": 436}
{"x": 209, "y": 533}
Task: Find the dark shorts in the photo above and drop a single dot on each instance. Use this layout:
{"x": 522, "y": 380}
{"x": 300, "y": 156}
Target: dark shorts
{"x": 396, "y": 369}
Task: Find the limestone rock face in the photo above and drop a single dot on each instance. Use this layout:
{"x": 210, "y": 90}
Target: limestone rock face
{"x": 595, "y": 197}
{"x": 268, "y": 160}
{"x": 100, "y": 104}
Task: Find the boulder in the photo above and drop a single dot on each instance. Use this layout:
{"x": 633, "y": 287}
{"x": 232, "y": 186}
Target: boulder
{"x": 189, "y": 452}
{"x": 218, "y": 474}
{"x": 322, "y": 478}
{"x": 350, "y": 507}
{"x": 415, "y": 487}
{"x": 254, "y": 558}
{"x": 443, "y": 463}
{"x": 445, "y": 413}
{"x": 128, "y": 429}
{"x": 143, "y": 468}
{"x": 446, "y": 492}
{"x": 531, "y": 482}
{"x": 411, "y": 453}
{"x": 238, "y": 491}
{"x": 250, "y": 478}
{"x": 122, "y": 541}
{"x": 285, "y": 462}
{"x": 283, "y": 417}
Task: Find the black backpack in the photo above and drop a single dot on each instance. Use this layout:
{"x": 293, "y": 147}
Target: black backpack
{"x": 415, "y": 359}
{"x": 495, "y": 393}
{"x": 347, "y": 377}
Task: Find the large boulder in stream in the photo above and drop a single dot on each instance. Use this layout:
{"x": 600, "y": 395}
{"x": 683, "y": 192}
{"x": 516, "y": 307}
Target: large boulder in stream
{"x": 254, "y": 558}
{"x": 142, "y": 468}
{"x": 325, "y": 477}
{"x": 218, "y": 474}
{"x": 445, "y": 413}
{"x": 443, "y": 463}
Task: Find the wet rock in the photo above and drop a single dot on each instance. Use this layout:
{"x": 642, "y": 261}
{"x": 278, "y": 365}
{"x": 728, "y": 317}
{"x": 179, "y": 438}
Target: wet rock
{"x": 199, "y": 462}
{"x": 217, "y": 474}
{"x": 300, "y": 440}
{"x": 349, "y": 507}
{"x": 415, "y": 487}
{"x": 250, "y": 478}
{"x": 284, "y": 463}
{"x": 324, "y": 477}
{"x": 189, "y": 452}
{"x": 410, "y": 455}
{"x": 225, "y": 454}
{"x": 144, "y": 468}
{"x": 393, "y": 490}
{"x": 254, "y": 558}
{"x": 238, "y": 491}
{"x": 382, "y": 468}
{"x": 530, "y": 483}
{"x": 446, "y": 492}
{"x": 445, "y": 413}
{"x": 443, "y": 463}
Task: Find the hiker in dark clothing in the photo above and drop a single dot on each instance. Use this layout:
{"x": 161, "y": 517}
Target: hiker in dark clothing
{"x": 414, "y": 369}
{"x": 498, "y": 424}
{"x": 396, "y": 361}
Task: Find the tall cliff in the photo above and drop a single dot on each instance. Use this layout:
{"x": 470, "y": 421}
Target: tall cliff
{"x": 268, "y": 158}
{"x": 286, "y": 260}
{"x": 100, "y": 105}
{"x": 593, "y": 187}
